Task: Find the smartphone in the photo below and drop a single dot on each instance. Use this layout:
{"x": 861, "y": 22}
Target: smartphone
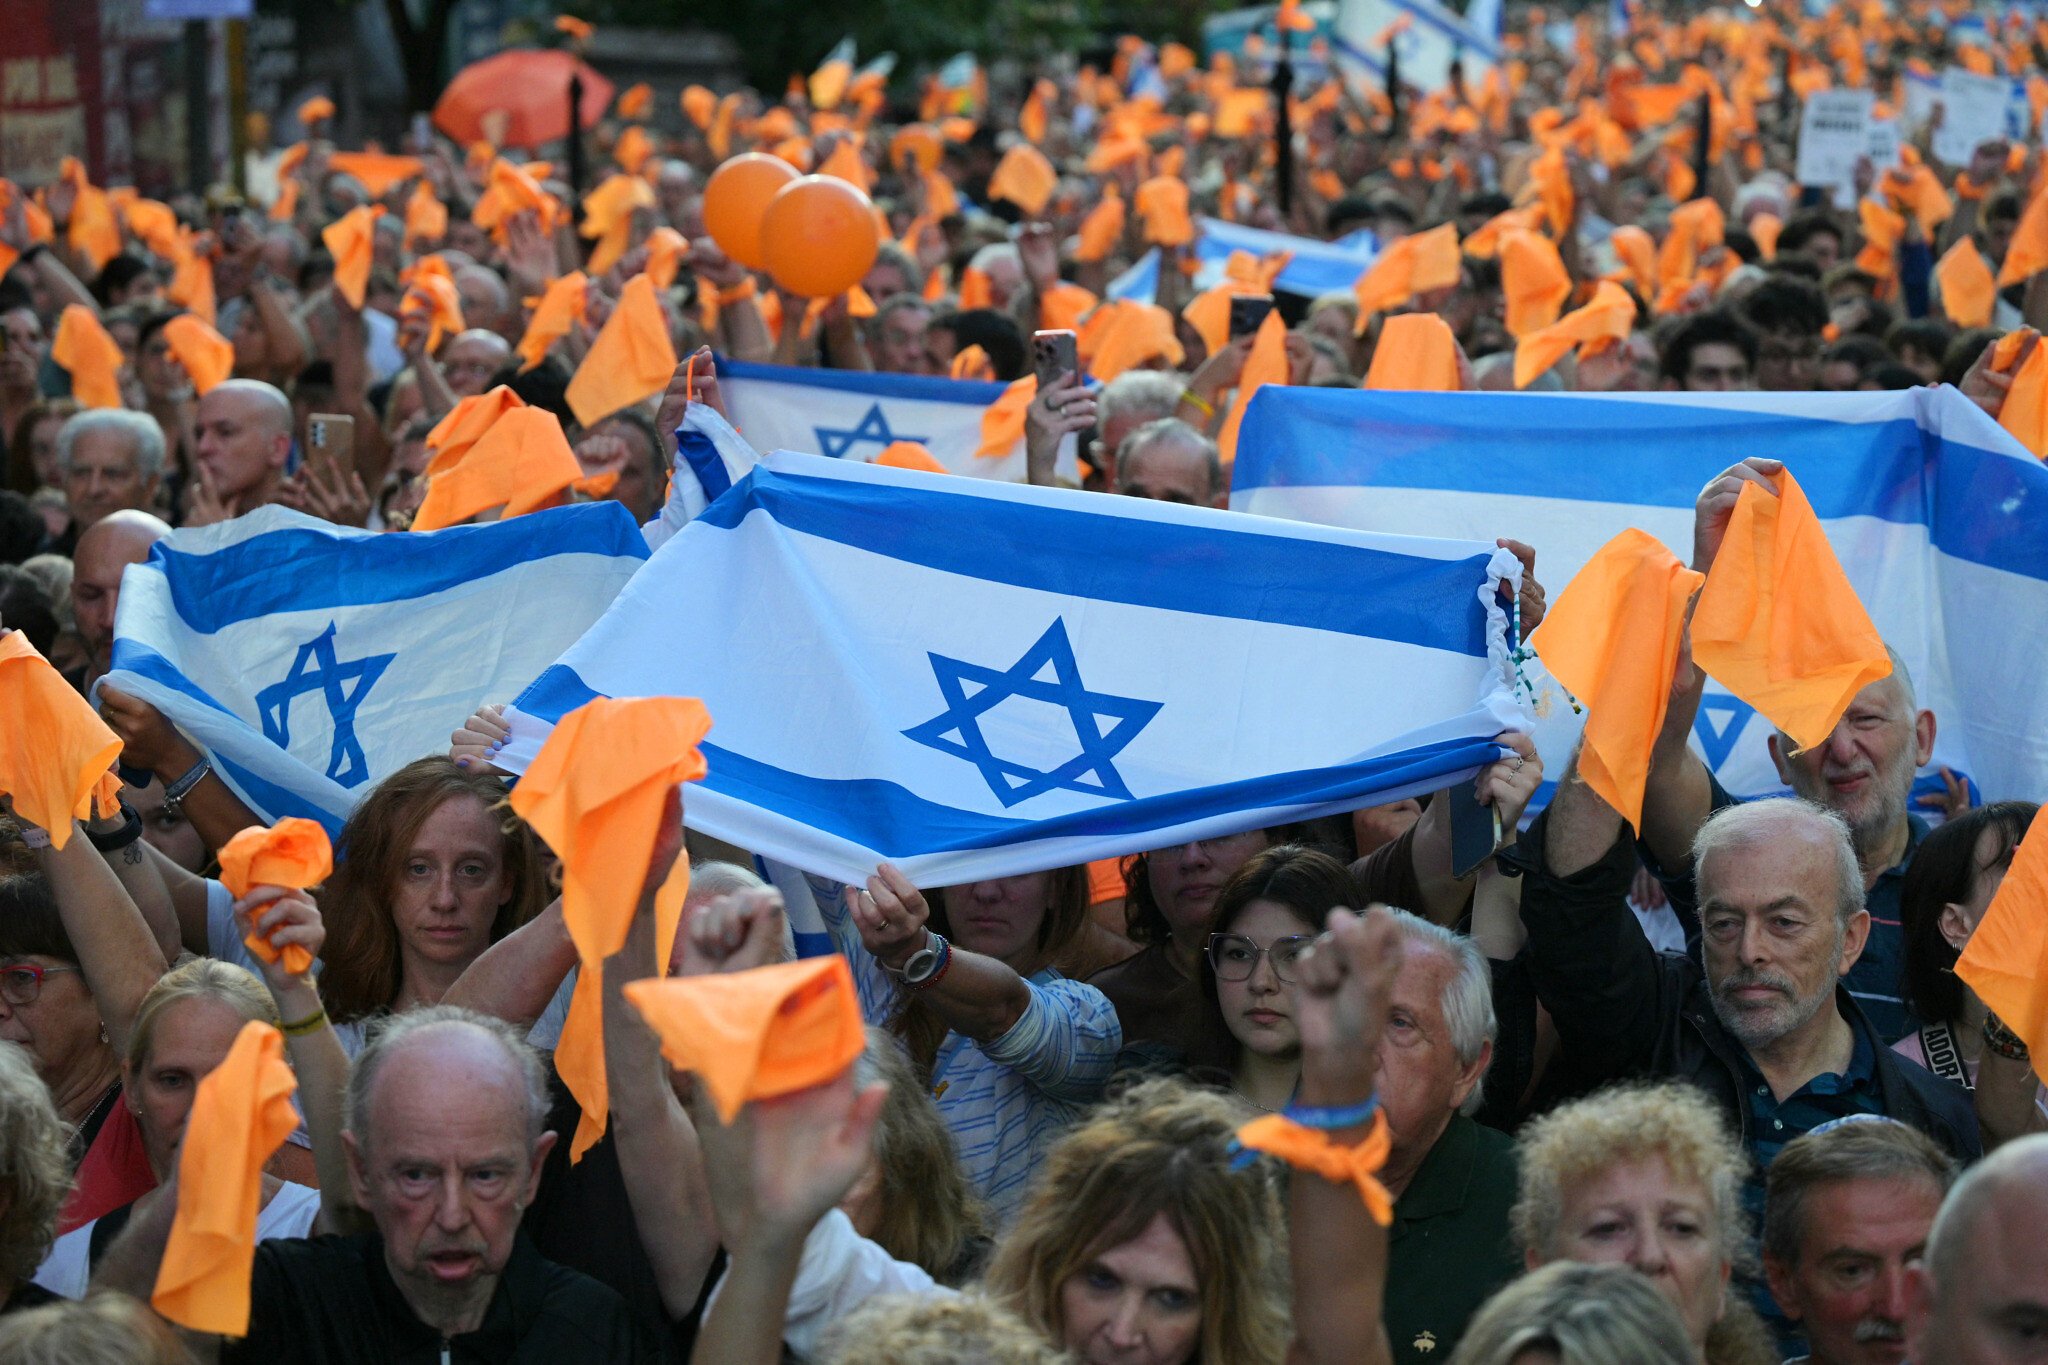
{"x": 1053, "y": 354}
{"x": 332, "y": 436}
{"x": 1475, "y": 829}
{"x": 1247, "y": 312}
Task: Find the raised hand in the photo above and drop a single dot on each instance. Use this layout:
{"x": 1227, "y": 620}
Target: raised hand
{"x": 1534, "y": 602}
{"x": 1342, "y": 990}
{"x": 479, "y": 740}
{"x": 733, "y": 932}
{"x": 148, "y": 740}
{"x": 1717, "y": 504}
{"x": 890, "y": 915}
{"x": 1509, "y": 783}
{"x": 281, "y": 916}
{"x": 1986, "y": 386}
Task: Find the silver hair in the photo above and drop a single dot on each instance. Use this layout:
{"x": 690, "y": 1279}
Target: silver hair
{"x": 35, "y": 1171}
{"x": 1747, "y": 823}
{"x": 1171, "y": 430}
{"x": 2021, "y": 1163}
{"x": 1468, "y": 995}
{"x": 139, "y": 427}
{"x": 1150, "y": 394}
{"x": 401, "y": 1029}
{"x": 993, "y": 252}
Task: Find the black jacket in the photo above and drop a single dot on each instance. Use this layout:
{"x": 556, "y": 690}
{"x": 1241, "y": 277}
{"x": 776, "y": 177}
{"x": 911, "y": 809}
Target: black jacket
{"x": 1623, "y": 1009}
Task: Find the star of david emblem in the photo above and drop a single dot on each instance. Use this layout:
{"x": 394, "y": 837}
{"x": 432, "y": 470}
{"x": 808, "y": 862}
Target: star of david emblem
{"x": 834, "y": 442}
{"x": 1718, "y": 737}
{"x": 341, "y": 685}
{"x": 1046, "y": 673}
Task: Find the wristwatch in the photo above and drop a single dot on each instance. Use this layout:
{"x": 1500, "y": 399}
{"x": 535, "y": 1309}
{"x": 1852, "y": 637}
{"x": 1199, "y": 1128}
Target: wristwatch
{"x": 924, "y": 967}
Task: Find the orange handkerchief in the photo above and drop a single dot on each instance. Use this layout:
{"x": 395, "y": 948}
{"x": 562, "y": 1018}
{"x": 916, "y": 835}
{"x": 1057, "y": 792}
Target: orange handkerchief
{"x": 380, "y": 173}
{"x": 1968, "y": 291}
{"x": 1608, "y": 316}
{"x": 315, "y": 109}
{"x": 1266, "y": 363}
{"x": 466, "y": 424}
{"x": 666, "y": 251}
{"x": 350, "y": 240}
{"x": 910, "y": 455}
{"x": 205, "y": 355}
{"x": 1025, "y": 178}
{"x": 1612, "y": 638}
{"x": 56, "y": 754}
{"x": 845, "y": 164}
{"x": 1778, "y": 624}
{"x": 1162, "y": 204}
{"x": 2027, "y": 255}
{"x": 557, "y": 310}
{"x": 1103, "y": 228}
{"x": 636, "y": 102}
{"x": 699, "y": 104}
{"x": 1638, "y": 257}
{"x": 758, "y": 1034}
{"x": 426, "y": 218}
{"x": 608, "y": 216}
{"x": 595, "y": 795}
{"x": 971, "y": 362}
{"x": 1002, "y": 422}
{"x": 632, "y": 359}
{"x": 2006, "y": 959}
{"x": 295, "y": 853}
{"x": 93, "y": 358}
{"x": 2025, "y": 411}
{"x": 1133, "y": 334}
{"x": 241, "y": 1114}
{"x": 1416, "y": 351}
{"x": 1764, "y": 230}
{"x": 1415, "y": 264}
{"x": 1209, "y": 314}
{"x": 1532, "y": 276}
{"x": 1063, "y": 305}
{"x": 523, "y": 463}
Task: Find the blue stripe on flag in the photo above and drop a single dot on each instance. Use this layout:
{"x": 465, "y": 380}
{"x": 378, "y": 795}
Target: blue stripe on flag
{"x": 878, "y": 815}
{"x": 214, "y": 589}
{"x": 924, "y": 388}
{"x": 1426, "y": 602}
{"x": 555, "y": 693}
{"x": 700, "y": 452}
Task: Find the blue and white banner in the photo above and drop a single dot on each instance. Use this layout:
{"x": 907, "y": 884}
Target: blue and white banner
{"x": 1434, "y": 37}
{"x": 1939, "y": 518}
{"x": 310, "y": 661}
{"x": 975, "y": 680}
{"x": 1318, "y": 268}
{"x": 854, "y": 414}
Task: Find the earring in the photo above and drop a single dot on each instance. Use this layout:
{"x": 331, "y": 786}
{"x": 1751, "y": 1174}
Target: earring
{"x": 103, "y": 1030}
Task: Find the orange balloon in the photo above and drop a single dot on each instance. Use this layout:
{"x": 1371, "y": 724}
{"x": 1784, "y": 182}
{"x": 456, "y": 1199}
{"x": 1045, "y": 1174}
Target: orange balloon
{"x": 819, "y": 236}
{"x": 736, "y": 196}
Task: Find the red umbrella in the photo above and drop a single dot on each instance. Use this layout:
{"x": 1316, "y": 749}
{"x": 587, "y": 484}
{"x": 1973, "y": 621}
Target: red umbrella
{"x": 530, "y": 87}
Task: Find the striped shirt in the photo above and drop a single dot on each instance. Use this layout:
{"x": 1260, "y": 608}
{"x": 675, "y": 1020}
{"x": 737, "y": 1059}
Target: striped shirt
{"x": 1008, "y": 1100}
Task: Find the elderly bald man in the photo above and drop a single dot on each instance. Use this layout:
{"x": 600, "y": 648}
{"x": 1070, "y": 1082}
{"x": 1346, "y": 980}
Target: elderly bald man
{"x": 487, "y": 301}
{"x": 244, "y": 442}
{"x": 1980, "y": 1295}
{"x": 469, "y": 359}
{"x": 104, "y": 552}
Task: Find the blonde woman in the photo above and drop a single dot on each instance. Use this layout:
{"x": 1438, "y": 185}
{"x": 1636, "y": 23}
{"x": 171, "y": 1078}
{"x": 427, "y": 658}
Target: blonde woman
{"x": 1573, "y": 1314}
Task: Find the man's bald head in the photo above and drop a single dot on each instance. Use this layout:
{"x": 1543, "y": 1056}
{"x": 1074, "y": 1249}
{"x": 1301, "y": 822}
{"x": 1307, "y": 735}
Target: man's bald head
{"x": 470, "y": 358}
{"x": 105, "y": 550}
{"x": 1981, "y": 1293}
{"x": 244, "y": 440}
{"x": 486, "y": 301}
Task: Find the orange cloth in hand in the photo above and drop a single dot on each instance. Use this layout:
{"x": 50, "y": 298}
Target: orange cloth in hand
{"x": 2025, "y": 411}
{"x": 1695, "y": 226}
{"x": 1063, "y": 305}
{"x": 523, "y": 463}
{"x": 241, "y": 1114}
{"x": 1968, "y": 290}
{"x": 93, "y": 358}
{"x": 2027, "y": 255}
{"x": 205, "y": 355}
{"x": 426, "y": 218}
{"x": 1612, "y": 638}
{"x": 608, "y": 217}
{"x": 666, "y": 251}
{"x": 2006, "y": 959}
{"x": 1308, "y": 1149}
{"x": 1608, "y": 316}
{"x": 295, "y": 853}
{"x": 1778, "y": 624}
{"x": 632, "y": 359}
{"x": 1882, "y": 229}
{"x": 466, "y": 424}
{"x": 1025, "y": 178}
{"x": 379, "y": 172}
{"x": 595, "y": 794}
{"x": 1638, "y": 256}
{"x": 559, "y": 309}
{"x": 1131, "y": 334}
{"x": 699, "y": 104}
{"x": 350, "y": 240}
{"x": 315, "y": 109}
{"x": 910, "y": 455}
{"x": 1764, "y": 230}
{"x": 971, "y": 362}
{"x": 56, "y": 754}
{"x": 1415, "y": 264}
{"x": 433, "y": 295}
{"x": 1416, "y": 352}
{"x": 1002, "y": 422}
{"x": 1267, "y": 363}
{"x": 1533, "y": 277}
{"x": 759, "y": 1034}
{"x": 636, "y": 102}
{"x": 1162, "y": 202}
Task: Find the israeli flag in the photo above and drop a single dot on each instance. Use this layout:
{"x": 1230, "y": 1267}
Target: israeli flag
{"x": 975, "y": 680}
{"x": 1435, "y": 37}
{"x": 310, "y": 661}
{"x": 855, "y": 414}
{"x": 1318, "y": 267}
{"x": 1939, "y": 517}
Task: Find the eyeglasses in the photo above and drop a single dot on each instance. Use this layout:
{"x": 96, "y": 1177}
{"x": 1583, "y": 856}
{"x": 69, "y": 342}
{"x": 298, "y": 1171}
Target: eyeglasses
{"x": 22, "y": 982}
{"x": 1236, "y": 957}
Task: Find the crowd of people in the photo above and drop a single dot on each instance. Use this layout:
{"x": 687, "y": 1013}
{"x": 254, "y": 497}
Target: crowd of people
{"x": 1521, "y": 1133}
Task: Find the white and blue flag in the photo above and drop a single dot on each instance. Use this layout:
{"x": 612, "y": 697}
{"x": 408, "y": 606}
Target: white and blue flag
{"x": 974, "y": 680}
{"x": 855, "y": 414}
{"x": 1939, "y": 517}
{"x": 1435, "y": 37}
{"x": 310, "y": 661}
{"x": 1318, "y": 267}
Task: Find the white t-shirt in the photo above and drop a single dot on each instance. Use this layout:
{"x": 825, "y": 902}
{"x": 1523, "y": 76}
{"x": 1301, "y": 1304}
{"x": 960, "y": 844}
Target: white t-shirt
{"x": 67, "y": 1268}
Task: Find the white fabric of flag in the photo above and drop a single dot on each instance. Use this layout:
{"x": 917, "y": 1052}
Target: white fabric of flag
{"x": 310, "y": 661}
{"x": 975, "y": 680}
{"x": 1939, "y": 517}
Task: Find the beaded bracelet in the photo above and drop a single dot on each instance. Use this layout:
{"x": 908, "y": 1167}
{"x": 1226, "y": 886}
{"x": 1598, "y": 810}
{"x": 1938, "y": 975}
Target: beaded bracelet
{"x": 2004, "y": 1041}
{"x": 1313, "y": 1150}
{"x": 1326, "y": 1117}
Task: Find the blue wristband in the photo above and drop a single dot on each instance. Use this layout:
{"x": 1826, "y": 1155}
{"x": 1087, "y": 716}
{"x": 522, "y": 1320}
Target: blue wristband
{"x": 1325, "y": 1119}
